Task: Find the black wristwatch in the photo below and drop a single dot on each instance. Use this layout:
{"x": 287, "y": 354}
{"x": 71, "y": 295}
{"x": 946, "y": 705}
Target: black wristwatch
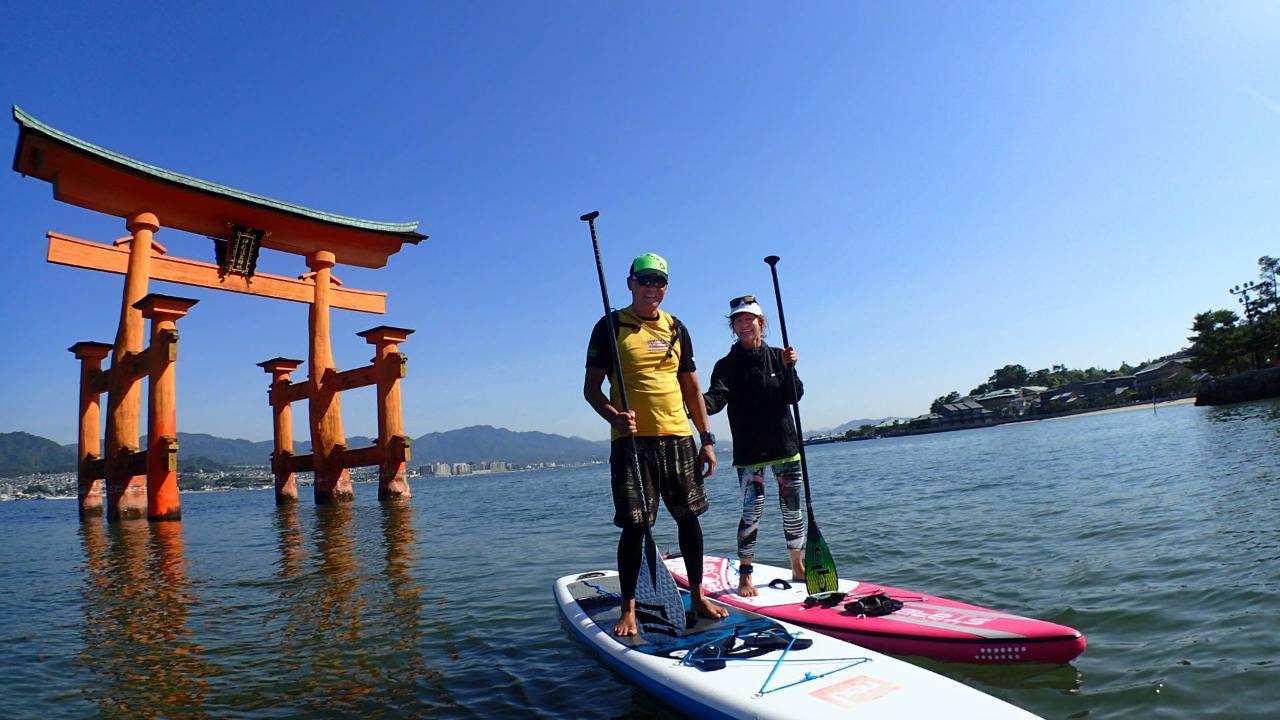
{"x": 708, "y": 438}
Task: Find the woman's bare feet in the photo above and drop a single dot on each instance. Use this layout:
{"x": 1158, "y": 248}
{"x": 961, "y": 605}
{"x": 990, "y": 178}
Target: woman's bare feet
{"x": 797, "y": 565}
{"x": 746, "y": 588}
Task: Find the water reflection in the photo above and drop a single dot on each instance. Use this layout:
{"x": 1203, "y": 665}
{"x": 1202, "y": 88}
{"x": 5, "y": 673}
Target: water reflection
{"x": 1066, "y": 677}
{"x": 289, "y": 531}
{"x": 1268, "y": 410}
{"x": 352, "y": 616}
{"x": 136, "y": 602}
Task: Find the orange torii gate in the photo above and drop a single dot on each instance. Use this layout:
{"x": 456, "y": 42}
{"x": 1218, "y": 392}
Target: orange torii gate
{"x": 144, "y": 481}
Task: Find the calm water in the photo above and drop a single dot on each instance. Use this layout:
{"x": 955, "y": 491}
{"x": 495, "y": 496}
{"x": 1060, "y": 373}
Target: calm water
{"x": 1156, "y": 534}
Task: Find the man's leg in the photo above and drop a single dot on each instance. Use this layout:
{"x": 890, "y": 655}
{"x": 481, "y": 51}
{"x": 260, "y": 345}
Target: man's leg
{"x": 628, "y": 514}
{"x": 690, "y": 531}
{"x": 630, "y": 549}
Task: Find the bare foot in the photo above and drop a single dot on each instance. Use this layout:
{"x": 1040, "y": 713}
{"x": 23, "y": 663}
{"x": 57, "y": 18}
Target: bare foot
{"x": 705, "y": 608}
{"x": 626, "y": 626}
{"x": 746, "y": 588}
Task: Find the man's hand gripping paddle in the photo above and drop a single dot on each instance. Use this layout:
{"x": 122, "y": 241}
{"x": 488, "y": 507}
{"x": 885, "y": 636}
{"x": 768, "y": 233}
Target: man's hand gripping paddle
{"x": 659, "y": 609}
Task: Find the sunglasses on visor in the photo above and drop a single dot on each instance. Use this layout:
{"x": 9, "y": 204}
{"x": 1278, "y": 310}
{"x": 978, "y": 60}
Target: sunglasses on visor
{"x": 738, "y": 302}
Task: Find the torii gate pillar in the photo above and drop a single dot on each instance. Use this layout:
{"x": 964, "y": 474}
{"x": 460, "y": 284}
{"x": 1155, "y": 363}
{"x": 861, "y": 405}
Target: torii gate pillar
{"x": 127, "y": 491}
{"x": 332, "y": 480}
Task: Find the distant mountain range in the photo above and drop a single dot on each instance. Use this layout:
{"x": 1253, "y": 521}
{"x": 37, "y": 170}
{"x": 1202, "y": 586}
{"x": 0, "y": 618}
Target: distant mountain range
{"x": 23, "y": 453}
{"x": 840, "y": 429}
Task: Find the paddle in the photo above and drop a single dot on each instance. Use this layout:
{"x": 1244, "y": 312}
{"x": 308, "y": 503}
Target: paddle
{"x": 659, "y": 609}
{"x": 819, "y": 569}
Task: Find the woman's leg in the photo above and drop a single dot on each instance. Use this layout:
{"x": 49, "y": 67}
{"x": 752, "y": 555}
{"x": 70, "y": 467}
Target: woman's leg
{"x": 751, "y": 483}
{"x": 790, "y": 499}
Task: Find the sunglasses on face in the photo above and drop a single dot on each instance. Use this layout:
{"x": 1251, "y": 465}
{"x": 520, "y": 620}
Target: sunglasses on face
{"x": 651, "y": 280}
{"x": 740, "y": 301}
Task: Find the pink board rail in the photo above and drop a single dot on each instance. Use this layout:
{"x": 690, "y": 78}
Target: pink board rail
{"x": 926, "y": 625}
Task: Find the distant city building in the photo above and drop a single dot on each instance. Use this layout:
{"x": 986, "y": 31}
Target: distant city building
{"x": 997, "y": 401}
{"x": 462, "y": 468}
{"x": 1157, "y": 372}
{"x": 963, "y": 412}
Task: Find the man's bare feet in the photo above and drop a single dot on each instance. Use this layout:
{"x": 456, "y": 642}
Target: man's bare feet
{"x": 626, "y": 626}
{"x": 704, "y": 607}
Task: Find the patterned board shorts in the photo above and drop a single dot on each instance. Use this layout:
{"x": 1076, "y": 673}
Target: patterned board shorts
{"x": 669, "y": 466}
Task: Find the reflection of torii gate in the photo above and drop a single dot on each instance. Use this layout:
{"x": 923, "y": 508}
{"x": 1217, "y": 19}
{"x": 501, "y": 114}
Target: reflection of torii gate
{"x": 142, "y": 482}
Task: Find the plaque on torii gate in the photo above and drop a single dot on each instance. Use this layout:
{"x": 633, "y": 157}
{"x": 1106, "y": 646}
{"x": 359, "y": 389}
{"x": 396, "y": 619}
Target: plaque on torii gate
{"x": 241, "y": 224}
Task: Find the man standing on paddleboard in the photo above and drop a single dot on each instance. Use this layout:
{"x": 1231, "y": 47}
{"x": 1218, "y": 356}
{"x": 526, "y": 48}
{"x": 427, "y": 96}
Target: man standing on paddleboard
{"x": 661, "y": 383}
{"x": 754, "y": 382}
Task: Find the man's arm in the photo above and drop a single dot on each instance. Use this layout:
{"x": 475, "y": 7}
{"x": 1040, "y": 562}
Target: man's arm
{"x": 592, "y": 385}
{"x": 716, "y": 396}
{"x": 692, "y": 395}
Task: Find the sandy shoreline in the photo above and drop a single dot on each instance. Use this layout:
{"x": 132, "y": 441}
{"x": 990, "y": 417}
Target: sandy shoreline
{"x": 1105, "y": 411}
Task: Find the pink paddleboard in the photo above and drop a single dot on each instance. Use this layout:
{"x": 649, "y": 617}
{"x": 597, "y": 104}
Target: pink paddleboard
{"x": 925, "y": 625}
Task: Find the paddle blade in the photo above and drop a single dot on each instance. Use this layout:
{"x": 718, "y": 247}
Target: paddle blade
{"x": 659, "y": 607}
{"x": 819, "y": 568}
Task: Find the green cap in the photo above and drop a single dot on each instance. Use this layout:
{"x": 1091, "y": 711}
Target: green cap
{"x": 649, "y": 263}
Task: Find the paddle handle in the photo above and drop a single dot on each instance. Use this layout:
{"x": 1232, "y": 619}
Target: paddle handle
{"x": 772, "y": 261}
{"x": 590, "y": 218}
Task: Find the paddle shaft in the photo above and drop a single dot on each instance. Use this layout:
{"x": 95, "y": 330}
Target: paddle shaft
{"x": 795, "y": 404}
{"x": 650, "y": 545}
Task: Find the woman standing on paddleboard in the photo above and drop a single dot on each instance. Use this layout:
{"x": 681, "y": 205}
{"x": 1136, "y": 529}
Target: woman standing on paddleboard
{"x": 753, "y": 382}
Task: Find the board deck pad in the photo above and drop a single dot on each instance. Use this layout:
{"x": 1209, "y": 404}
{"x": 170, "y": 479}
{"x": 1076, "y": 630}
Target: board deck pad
{"x": 925, "y": 625}
{"x": 600, "y": 599}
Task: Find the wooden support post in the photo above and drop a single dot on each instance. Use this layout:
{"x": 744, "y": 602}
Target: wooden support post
{"x": 393, "y": 444}
{"x": 127, "y": 490}
{"x": 332, "y": 480}
{"x": 162, "y": 405}
{"x": 89, "y": 465}
{"x": 282, "y": 420}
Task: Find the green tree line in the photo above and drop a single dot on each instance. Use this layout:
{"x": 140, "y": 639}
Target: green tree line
{"x": 1016, "y": 376}
{"x": 1225, "y": 343}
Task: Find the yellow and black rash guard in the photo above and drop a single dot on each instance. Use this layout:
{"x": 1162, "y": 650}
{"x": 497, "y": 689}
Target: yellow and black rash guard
{"x": 653, "y": 352}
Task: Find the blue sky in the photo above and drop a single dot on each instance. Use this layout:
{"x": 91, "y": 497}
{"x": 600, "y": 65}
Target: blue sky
{"x": 951, "y": 187}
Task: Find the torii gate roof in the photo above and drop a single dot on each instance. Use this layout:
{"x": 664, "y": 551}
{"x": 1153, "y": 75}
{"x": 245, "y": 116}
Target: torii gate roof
{"x": 93, "y": 177}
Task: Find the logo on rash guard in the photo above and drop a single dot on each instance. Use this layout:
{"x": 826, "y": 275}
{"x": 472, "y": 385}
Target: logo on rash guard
{"x": 658, "y": 346}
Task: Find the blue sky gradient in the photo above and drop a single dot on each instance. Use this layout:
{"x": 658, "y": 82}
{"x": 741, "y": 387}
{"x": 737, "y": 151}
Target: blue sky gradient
{"x": 951, "y": 188}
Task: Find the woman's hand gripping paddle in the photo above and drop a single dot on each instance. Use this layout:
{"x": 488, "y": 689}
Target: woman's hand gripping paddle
{"x": 819, "y": 568}
{"x": 659, "y": 609}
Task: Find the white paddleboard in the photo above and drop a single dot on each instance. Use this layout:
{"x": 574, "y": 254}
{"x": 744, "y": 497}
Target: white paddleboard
{"x": 751, "y": 666}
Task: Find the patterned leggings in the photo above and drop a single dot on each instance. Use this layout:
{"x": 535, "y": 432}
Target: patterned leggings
{"x": 790, "y": 495}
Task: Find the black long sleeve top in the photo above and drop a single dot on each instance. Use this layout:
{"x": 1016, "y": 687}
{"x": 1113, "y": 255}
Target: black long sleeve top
{"x": 757, "y": 389}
